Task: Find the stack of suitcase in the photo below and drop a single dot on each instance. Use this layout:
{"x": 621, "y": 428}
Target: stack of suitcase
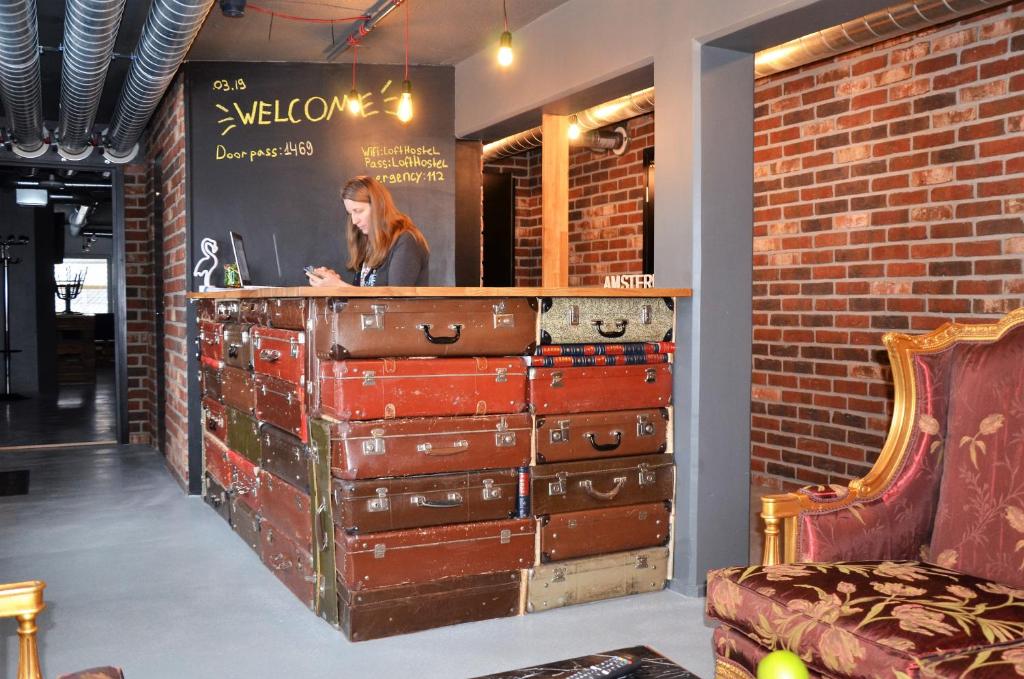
{"x": 380, "y": 454}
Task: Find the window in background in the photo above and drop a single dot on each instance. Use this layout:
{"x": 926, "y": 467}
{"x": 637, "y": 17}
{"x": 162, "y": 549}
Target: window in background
{"x": 95, "y": 297}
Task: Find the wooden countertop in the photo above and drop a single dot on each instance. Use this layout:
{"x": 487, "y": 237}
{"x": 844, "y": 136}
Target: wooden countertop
{"x": 249, "y": 293}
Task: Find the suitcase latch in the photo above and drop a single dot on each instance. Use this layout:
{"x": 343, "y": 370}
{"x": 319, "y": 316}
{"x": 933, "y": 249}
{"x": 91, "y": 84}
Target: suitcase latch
{"x": 641, "y": 562}
{"x": 644, "y": 426}
{"x": 506, "y": 536}
{"x": 560, "y": 435}
{"x": 574, "y": 314}
{"x": 559, "y": 575}
{"x": 226, "y": 310}
{"x": 374, "y": 446}
{"x": 502, "y": 319}
{"x": 490, "y": 492}
{"x": 646, "y": 314}
{"x": 557, "y": 379}
{"x": 558, "y": 487}
{"x": 647, "y": 475}
{"x": 369, "y": 378}
{"x": 650, "y": 375}
{"x": 503, "y": 438}
{"x": 501, "y": 375}
{"x": 379, "y": 549}
{"x": 375, "y": 320}
{"x": 379, "y": 504}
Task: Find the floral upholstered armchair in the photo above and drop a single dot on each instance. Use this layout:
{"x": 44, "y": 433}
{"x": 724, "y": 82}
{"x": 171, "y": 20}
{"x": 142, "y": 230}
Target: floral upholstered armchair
{"x": 917, "y": 569}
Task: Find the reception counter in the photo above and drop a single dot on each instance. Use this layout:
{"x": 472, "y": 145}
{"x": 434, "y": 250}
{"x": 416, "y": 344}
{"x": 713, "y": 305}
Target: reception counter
{"x": 407, "y": 458}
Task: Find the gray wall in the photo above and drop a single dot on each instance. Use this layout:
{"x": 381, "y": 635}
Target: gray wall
{"x": 16, "y": 220}
{"x": 703, "y": 222}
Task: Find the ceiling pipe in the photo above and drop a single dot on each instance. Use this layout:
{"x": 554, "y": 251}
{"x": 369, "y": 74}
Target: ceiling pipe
{"x": 170, "y": 28}
{"x": 20, "y": 82}
{"x": 356, "y": 35}
{"x": 60, "y": 184}
{"x": 614, "y": 111}
{"x": 90, "y": 29}
{"x": 884, "y": 24}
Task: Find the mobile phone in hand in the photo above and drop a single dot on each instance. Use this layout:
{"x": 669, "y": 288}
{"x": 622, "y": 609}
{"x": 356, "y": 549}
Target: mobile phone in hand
{"x": 310, "y": 271}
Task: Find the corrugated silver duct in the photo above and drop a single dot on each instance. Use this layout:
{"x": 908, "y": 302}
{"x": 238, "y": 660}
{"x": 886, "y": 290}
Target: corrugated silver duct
{"x": 90, "y": 28}
{"x": 170, "y": 28}
{"x": 887, "y": 23}
{"x": 20, "y": 84}
{"x": 613, "y": 111}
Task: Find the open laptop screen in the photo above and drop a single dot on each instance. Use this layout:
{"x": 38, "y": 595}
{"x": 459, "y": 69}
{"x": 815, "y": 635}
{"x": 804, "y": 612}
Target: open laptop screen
{"x": 238, "y": 246}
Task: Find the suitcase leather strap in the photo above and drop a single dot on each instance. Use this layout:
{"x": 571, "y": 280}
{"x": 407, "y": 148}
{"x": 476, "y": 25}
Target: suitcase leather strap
{"x": 588, "y": 486}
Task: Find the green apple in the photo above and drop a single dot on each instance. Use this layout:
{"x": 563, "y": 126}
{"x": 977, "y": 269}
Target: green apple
{"x": 781, "y": 665}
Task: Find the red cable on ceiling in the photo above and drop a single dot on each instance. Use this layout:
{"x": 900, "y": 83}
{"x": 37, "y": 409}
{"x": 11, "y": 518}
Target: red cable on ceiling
{"x": 310, "y": 20}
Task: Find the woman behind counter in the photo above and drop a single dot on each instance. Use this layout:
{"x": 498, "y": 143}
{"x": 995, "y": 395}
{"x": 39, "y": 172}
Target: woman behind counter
{"x": 384, "y": 246}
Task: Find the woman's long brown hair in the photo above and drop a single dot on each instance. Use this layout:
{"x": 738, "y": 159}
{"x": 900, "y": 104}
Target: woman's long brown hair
{"x": 386, "y": 224}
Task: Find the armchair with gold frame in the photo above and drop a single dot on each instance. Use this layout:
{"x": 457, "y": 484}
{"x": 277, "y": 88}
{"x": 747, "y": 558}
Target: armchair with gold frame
{"x": 916, "y": 569}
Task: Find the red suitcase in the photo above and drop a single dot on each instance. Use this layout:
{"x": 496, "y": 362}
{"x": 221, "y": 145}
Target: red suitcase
{"x": 218, "y": 464}
{"x": 603, "y": 531}
{"x": 584, "y": 436}
{"x": 363, "y": 450}
{"x": 423, "y": 555}
{"x": 210, "y": 379}
{"x": 282, "y": 404}
{"x": 237, "y": 391}
{"x": 279, "y": 353}
{"x": 245, "y": 480}
{"x": 287, "y": 508}
{"x": 290, "y": 562}
{"x": 390, "y": 388}
{"x": 210, "y": 339}
{"x": 583, "y": 390}
{"x": 214, "y": 419}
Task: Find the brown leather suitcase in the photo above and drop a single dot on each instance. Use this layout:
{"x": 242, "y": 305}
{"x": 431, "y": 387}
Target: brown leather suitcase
{"x": 246, "y": 523}
{"x": 237, "y": 391}
{"x": 427, "y": 445}
{"x": 226, "y": 311}
{"x": 286, "y": 507}
{"x": 282, "y": 404}
{"x": 241, "y": 311}
{"x": 290, "y": 562}
{"x": 210, "y": 340}
{"x": 214, "y": 419}
{"x": 593, "y": 484}
{"x": 210, "y": 379}
{"x": 384, "y": 612}
{"x": 279, "y": 353}
{"x": 391, "y": 388}
{"x": 244, "y": 434}
{"x": 606, "y": 319}
{"x": 603, "y": 531}
{"x": 404, "y": 327}
{"x": 287, "y": 312}
{"x": 237, "y": 345}
{"x": 206, "y": 309}
{"x": 373, "y": 560}
{"x": 245, "y": 480}
{"x": 216, "y": 461}
{"x": 216, "y": 497}
{"x": 285, "y": 456}
{"x": 584, "y": 436}
{"x": 584, "y": 390}
{"x": 377, "y": 505}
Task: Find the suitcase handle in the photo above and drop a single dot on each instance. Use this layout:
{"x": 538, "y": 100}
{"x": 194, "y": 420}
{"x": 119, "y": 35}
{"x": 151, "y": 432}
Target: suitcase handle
{"x": 604, "y": 447}
{"x": 452, "y": 339}
{"x": 270, "y": 355}
{"x": 454, "y": 500}
{"x": 233, "y": 350}
{"x": 459, "y": 446}
{"x": 588, "y": 486}
{"x": 620, "y": 328}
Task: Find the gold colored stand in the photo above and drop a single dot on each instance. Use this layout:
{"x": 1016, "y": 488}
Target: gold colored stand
{"x": 24, "y": 601}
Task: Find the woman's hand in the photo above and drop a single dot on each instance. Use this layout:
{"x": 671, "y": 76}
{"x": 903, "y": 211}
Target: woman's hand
{"x": 324, "y": 277}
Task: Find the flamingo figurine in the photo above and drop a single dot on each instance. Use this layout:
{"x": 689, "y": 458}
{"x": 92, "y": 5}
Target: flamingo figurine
{"x": 209, "y": 248}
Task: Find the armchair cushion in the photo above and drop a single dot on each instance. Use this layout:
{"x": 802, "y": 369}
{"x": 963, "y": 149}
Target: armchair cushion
{"x": 979, "y": 523}
{"x": 868, "y": 619}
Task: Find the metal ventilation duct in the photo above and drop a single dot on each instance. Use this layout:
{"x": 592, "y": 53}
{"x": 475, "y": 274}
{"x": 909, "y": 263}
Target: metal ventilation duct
{"x": 170, "y": 28}
{"x": 887, "y": 23}
{"x": 20, "y": 84}
{"x": 613, "y": 111}
{"x": 90, "y": 28}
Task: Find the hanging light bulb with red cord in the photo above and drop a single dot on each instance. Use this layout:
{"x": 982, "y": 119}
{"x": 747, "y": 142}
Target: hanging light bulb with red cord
{"x": 505, "y": 55}
{"x": 404, "y": 111}
{"x": 355, "y": 104}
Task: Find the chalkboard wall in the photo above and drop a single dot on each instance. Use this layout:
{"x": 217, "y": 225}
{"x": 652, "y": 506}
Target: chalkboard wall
{"x": 270, "y": 145}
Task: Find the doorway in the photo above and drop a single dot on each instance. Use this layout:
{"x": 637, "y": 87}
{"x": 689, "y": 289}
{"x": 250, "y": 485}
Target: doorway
{"x": 499, "y": 229}
{"x": 65, "y": 314}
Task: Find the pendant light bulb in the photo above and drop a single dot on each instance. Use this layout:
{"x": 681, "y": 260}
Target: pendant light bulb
{"x": 355, "y": 106}
{"x": 574, "y": 128}
{"x": 405, "y": 102}
{"x": 505, "y": 55}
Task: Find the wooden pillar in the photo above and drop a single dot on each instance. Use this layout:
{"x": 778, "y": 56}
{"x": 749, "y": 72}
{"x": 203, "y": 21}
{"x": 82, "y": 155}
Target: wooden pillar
{"x": 555, "y": 200}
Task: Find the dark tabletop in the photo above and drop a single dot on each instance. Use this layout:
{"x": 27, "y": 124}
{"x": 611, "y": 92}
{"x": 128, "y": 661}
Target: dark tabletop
{"x": 655, "y": 666}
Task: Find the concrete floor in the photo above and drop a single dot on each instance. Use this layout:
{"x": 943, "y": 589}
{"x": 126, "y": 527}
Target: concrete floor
{"x": 84, "y": 412}
{"x": 141, "y": 576}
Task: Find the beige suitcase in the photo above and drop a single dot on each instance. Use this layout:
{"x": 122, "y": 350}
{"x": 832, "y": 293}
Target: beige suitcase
{"x": 594, "y": 578}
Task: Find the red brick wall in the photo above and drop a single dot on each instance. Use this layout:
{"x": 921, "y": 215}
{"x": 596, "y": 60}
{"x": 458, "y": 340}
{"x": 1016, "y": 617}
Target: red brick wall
{"x": 606, "y": 195}
{"x": 139, "y": 293}
{"x": 889, "y": 195}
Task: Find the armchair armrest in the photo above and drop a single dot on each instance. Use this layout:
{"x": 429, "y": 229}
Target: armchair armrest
{"x": 24, "y": 601}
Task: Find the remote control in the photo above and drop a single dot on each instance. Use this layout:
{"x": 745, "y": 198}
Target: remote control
{"x": 607, "y": 667}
